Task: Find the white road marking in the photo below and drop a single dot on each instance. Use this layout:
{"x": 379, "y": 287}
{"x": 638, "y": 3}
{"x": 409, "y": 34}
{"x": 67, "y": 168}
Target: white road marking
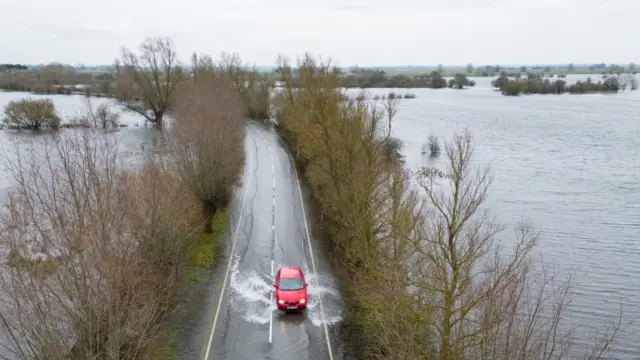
{"x": 271, "y": 314}
{"x": 273, "y": 228}
{"x": 226, "y": 275}
{"x": 313, "y": 262}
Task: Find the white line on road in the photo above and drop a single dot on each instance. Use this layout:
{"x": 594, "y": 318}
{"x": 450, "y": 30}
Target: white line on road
{"x": 313, "y": 262}
{"x": 226, "y": 275}
{"x": 273, "y": 228}
{"x": 271, "y": 313}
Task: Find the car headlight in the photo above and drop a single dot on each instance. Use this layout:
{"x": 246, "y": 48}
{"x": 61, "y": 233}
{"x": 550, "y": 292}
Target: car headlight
{"x": 302, "y": 301}
{"x": 280, "y": 301}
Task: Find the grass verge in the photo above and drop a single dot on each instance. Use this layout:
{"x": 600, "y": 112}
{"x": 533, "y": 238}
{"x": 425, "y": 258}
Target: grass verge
{"x": 202, "y": 255}
{"x": 199, "y": 261}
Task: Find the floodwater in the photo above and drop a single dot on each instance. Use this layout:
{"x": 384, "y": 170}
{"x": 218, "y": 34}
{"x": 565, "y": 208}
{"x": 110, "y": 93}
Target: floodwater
{"x": 568, "y": 163}
{"x": 133, "y": 141}
{"x": 251, "y": 290}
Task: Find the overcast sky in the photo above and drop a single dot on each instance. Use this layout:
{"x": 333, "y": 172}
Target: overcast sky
{"x": 367, "y": 33}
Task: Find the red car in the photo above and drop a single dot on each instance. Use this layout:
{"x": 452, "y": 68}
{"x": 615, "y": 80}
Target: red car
{"x": 291, "y": 289}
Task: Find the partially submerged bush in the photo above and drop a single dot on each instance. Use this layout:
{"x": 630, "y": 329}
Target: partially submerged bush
{"x": 537, "y": 84}
{"x": 101, "y": 117}
{"x": 432, "y": 146}
{"x": 31, "y": 114}
{"x": 392, "y": 147}
{"x": 104, "y": 117}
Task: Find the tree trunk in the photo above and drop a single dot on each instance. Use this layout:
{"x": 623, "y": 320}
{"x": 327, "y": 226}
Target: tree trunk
{"x": 209, "y": 210}
{"x": 159, "y": 120}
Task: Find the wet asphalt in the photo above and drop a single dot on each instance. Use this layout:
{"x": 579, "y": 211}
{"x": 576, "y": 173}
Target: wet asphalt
{"x": 267, "y": 213}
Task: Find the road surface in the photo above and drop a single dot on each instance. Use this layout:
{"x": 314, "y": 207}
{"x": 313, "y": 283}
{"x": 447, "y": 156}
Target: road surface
{"x": 269, "y": 229}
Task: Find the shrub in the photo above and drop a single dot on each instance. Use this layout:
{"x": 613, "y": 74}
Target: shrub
{"x": 434, "y": 145}
{"x": 97, "y": 252}
{"x": 31, "y": 114}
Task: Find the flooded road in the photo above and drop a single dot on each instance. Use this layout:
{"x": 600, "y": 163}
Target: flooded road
{"x": 271, "y": 230}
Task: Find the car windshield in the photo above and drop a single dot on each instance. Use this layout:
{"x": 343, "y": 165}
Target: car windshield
{"x": 290, "y": 284}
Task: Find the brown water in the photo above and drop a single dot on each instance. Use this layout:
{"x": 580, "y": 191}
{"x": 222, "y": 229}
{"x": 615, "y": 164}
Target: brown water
{"x": 569, "y": 163}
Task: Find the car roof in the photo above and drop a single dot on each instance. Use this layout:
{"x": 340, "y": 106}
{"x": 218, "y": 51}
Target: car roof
{"x": 290, "y": 272}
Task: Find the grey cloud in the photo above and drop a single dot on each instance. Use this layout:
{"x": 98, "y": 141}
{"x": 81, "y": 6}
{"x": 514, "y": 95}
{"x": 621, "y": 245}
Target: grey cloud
{"x": 371, "y": 32}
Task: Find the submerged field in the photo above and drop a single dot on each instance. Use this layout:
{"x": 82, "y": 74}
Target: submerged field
{"x": 569, "y": 163}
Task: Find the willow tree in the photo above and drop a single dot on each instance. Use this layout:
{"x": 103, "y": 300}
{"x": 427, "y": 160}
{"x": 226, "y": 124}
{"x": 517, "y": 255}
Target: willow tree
{"x": 146, "y": 83}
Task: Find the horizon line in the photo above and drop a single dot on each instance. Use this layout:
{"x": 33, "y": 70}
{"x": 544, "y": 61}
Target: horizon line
{"x": 389, "y": 67}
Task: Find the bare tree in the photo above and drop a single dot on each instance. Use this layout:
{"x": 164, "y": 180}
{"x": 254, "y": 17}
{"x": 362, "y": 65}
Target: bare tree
{"x": 5, "y": 79}
{"x": 391, "y": 109}
{"x": 342, "y": 145}
{"x": 56, "y": 74}
{"x": 206, "y": 141}
{"x": 92, "y": 250}
{"x": 390, "y": 282}
{"x": 202, "y": 63}
{"x": 481, "y": 303}
{"x": 102, "y": 116}
{"x": 194, "y": 65}
{"x": 253, "y": 86}
{"x": 145, "y": 83}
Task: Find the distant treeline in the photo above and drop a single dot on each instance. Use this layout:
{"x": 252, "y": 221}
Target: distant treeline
{"x": 380, "y": 79}
{"x": 12, "y": 67}
{"x": 561, "y": 71}
{"x": 57, "y": 79}
{"x": 373, "y": 78}
{"x": 536, "y": 84}
{"x": 63, "y": 79}
{"x": 496, "y": 70}
{"x": 469, "y": 70}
